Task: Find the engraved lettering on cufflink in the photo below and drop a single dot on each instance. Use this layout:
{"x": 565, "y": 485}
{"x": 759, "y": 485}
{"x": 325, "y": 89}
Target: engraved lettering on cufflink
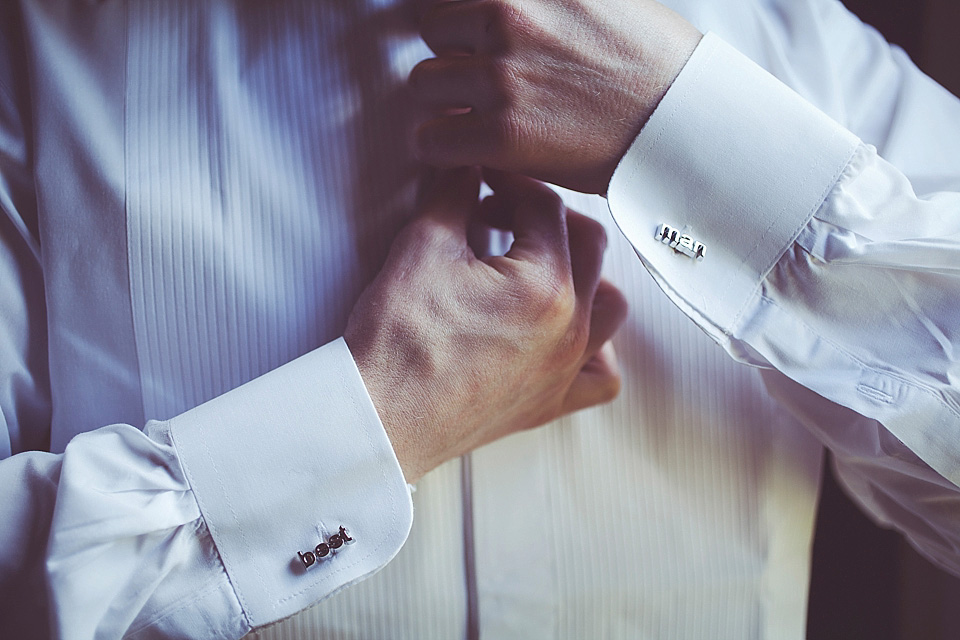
{"x": 324, "y": 549}
{"x": 680, "y": 242}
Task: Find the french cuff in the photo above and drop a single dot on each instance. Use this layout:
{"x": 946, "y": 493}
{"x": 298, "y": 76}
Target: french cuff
{"x": 722, "y": 179}
{"x": 278, "y": 466}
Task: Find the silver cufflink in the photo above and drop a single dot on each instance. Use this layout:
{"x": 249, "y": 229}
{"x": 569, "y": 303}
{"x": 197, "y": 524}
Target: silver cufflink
{"x": 680, "y": 242}
{"x": 324, "y": 549}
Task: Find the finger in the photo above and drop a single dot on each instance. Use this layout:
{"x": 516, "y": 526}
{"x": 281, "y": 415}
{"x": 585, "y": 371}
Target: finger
{"x": 607, "y": 313}
{"x": 423, "y": 7}
{"x": 456, "y": 140}
{"x": 480, "y": 237}
{"x": 453, "y": 82}
{"x": 597, "y": 382}
{"x": 495, "y": 213}
{"x": 536, "y": 217}
{"x": 588, "y": 240}
{"x": 449, "y": 197}
{"x": 462, "y": 27}
{"x": 446, "y": 201}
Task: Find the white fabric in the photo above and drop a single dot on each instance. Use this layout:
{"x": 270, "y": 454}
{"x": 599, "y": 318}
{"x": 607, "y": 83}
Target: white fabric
{"x": 824, "y": 264}
{"x": 195, "y": 193}
{"x": 173, "y": 532}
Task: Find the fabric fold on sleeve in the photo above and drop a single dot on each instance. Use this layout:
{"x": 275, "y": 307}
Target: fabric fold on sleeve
{"x": 820, "y": 261}
{"x": 199, "y": 526}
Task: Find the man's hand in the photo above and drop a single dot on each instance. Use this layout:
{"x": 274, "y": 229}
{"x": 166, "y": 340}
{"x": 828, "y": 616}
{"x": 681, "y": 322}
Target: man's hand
{"x": 554, "y": 89}
{"x": 457, "y": 351}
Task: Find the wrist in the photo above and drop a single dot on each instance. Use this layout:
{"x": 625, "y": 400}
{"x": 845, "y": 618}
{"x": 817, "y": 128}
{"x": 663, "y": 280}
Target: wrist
{"x": 659, "y": 64}
{"x": 397, "y": 402}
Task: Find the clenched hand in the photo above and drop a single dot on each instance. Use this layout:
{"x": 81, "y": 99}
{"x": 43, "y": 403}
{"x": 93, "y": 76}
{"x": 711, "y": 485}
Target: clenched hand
{"x": 456, "y": 350}
{"x": 554, "y": 89}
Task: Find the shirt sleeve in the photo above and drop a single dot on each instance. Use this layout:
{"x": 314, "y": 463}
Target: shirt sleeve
{"x": 225, "y": 518}
{"x": 798, "y": 248}
{"x": 206, "y": 525}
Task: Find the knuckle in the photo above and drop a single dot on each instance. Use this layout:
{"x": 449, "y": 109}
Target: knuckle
{"x": 609, "y": 389}
{"x": 539, "y": 296}
{"x": 594, "y": 231}
{"x": 433, "y": 21}
{"x": 497, "y": 15}
{"x": 504, "y": 132}
{"x": 541, "y": 200}
{"x": 490, "y": 72}
{"x": 505, "y": 110}
{"x": 415, "y": 232}
{"x": 503, "y": 16}
{"x": 551, "y": 201}
{"x": 550, "y": 297}
{"x": 589, "y": 234}
{"x": 575, "y": 341}
{"x": 474, "y": 141}
{"x": 425, "y": 233}
{"x": 437, "y": 72}
{"x": 503, "y": 79}
{"x": 420, "y": 73}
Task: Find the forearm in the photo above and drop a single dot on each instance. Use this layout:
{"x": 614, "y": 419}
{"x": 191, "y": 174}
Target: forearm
{"x": 193, "y": 527}
{"x": 821, "y": 262}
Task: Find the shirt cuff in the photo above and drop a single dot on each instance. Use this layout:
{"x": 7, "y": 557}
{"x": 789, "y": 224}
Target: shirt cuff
{"x": 735, "y": 163}
{"x": 278, "y": 465}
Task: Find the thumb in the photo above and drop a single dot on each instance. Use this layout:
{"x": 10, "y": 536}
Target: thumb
{"x": 449, "y": 196}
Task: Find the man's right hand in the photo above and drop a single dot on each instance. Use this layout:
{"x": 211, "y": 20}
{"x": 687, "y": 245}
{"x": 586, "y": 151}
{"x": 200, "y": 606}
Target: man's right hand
{"x": 457, "y": 351}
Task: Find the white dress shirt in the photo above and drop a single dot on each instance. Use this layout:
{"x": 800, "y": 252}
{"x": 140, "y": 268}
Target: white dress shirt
{"x": 194, "y": 194}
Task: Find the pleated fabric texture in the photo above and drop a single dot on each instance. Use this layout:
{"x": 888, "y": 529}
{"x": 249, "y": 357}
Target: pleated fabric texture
{"x": 267, "y": 169}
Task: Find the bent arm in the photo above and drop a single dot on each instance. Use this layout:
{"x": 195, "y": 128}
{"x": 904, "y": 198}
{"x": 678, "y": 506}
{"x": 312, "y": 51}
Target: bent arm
{"x": 825, "y": 262}
{"x": 194, "y": 527}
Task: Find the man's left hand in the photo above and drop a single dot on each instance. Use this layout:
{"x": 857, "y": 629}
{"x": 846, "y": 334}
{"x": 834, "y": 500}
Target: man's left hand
{"x": 554, "y": 89}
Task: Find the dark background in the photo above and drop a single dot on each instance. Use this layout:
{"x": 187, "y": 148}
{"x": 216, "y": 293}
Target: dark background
{"x": 867, "y": 582}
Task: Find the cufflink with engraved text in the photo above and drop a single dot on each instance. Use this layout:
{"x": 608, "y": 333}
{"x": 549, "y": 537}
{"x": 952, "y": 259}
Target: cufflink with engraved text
{"x": 680, "y": 242}
{"x": 324, "y": 549}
